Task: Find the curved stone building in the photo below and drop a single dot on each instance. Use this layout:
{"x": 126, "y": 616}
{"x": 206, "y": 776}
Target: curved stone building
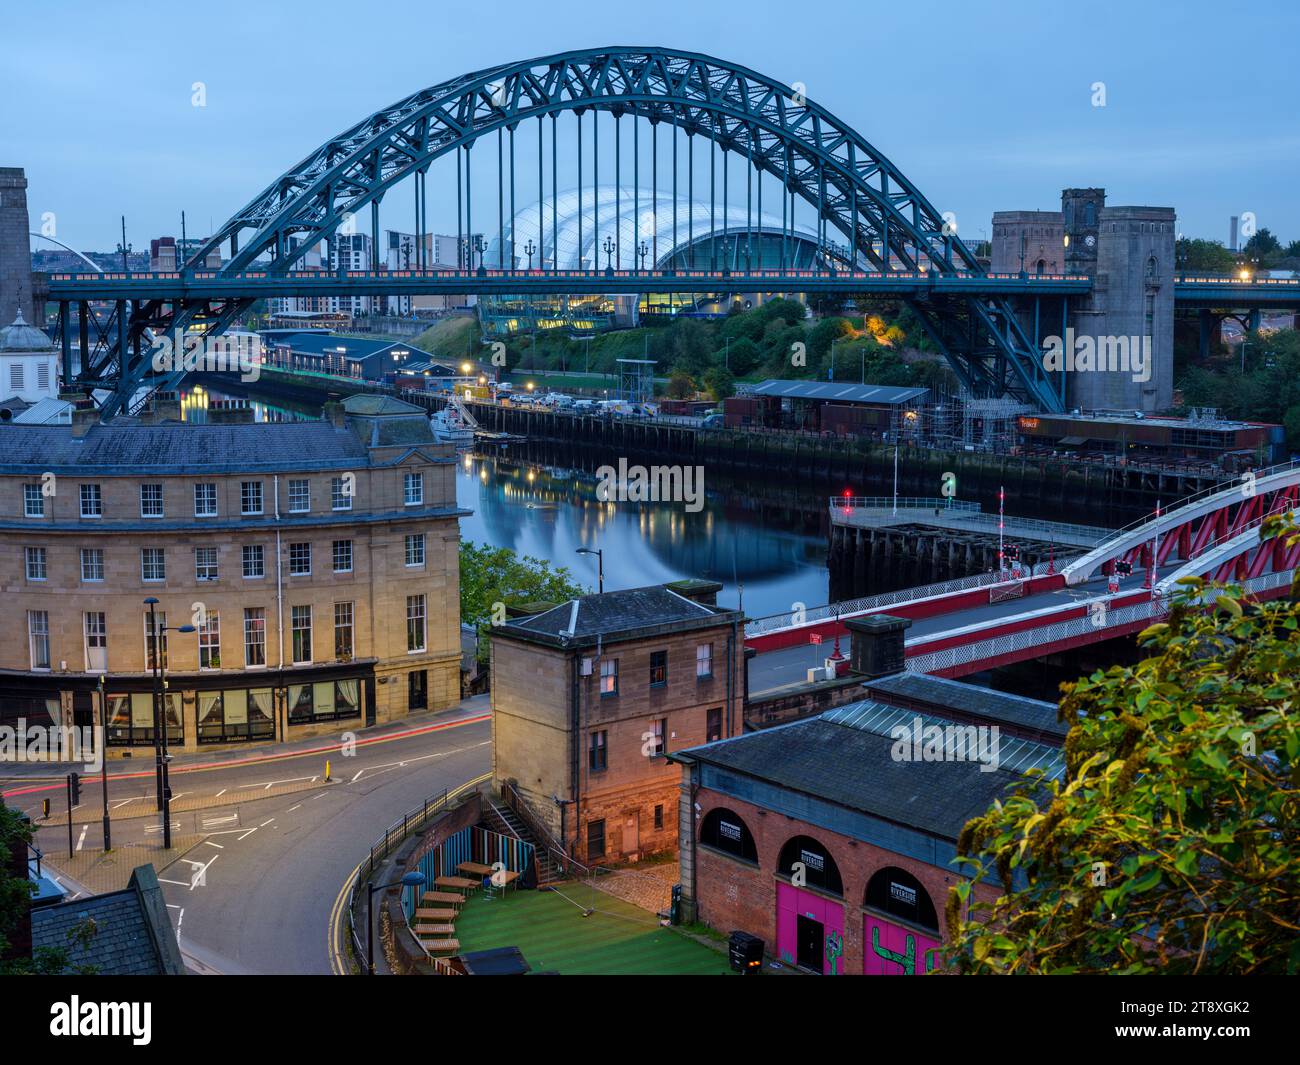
{"x": 317, "y": 563}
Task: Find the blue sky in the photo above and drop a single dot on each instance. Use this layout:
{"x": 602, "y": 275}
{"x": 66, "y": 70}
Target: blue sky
{"x": 985, "y": 105}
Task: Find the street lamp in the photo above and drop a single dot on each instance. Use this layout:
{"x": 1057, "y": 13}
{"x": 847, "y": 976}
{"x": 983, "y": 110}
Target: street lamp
{"x": 600, "y": 565}
{"x": 480, "y": 246}
{"x": 609, "y": 252}
{"x": 643, "y": 251}
{"x": 103, "y": 760}
{"x": 530, "y": 249}
{"x": 412, "y": 879}
{"x": 159, "y": 718}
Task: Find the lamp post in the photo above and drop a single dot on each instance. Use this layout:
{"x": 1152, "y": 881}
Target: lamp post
{"x": 530, "y": 249}
{"x": 600, "y": 565}
{"x": 412, "y": 879}
{"x": 480, "y": 246}
{"x": 161, "y": 756}
{"x": 643, "y": 251}
{"x": 103, "y": 761}
{"x": 609, "y": 253}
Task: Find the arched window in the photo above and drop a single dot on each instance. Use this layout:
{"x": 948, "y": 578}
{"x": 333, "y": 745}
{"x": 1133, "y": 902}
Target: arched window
{"x": 1153, "y": 268}
{"x": 818, "y": 867}
{"x": 897, "y": 893}
{"x": 725, "y": 831}
{"x": 1041, "y": 266}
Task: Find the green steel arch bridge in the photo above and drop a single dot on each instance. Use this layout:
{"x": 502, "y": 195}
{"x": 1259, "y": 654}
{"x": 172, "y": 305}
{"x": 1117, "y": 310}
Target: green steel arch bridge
{"x": 877, "y": 232}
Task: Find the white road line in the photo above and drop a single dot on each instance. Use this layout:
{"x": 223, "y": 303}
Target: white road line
{"x": 295, "y": 806}
{"x": 82, "y": 838}
{"x": 220, "y": 793}
{"x": 117, "y": 804}
{"x": 211, "y": 844}
{"x": 266, "y": 822}
{"x": 358, "y": 774}
{"x": 178, "y": 883}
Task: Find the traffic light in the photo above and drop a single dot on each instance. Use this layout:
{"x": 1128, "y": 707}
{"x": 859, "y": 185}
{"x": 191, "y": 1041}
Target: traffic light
{"x": 1124, "y": 569}
{"x": 74, "y": 788}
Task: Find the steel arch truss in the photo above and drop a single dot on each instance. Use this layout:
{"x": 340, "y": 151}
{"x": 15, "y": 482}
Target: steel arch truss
{"x": 881, "y": 214}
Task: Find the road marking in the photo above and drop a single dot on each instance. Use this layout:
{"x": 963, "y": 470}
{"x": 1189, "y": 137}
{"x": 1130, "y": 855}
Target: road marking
{"x": 178, "y": 883}
{"x": 211, "y": 844}
{"x": 221, "y": 793}
{"x": 82, "y": 838}
{"x": 268, "y": 785}
{"x": 266, "y": 822}
{"x": 227, "y": 819}
{"x": 149, "y": 829}
{"x": 117, "y": 804}
{"x": 199, "y": 871}
{"x": 358, "y": 773}
{"x": 295, "y": 806}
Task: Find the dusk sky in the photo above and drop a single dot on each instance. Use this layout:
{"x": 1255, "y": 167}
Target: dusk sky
{"x": 985, "y": 106}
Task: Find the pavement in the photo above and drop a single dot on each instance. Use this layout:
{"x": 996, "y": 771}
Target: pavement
{"x": 262, "y": 845}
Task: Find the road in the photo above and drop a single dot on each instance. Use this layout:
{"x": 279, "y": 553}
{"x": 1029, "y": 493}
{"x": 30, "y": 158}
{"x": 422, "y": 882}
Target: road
{"x": 257, "y": 894}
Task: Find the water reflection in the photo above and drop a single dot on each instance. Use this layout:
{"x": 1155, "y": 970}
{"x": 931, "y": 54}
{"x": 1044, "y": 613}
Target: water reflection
{"x": 203, "y": 406}
{"x": 550, "y": 512}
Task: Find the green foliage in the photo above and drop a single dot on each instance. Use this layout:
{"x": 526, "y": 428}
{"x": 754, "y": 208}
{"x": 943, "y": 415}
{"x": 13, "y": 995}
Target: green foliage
{"x": 1172, "y": 844}
{"x": 1267, "y": 389}
{"x": 15, "y": 899}
{"x": 492, "y": 578}
{"x": 1203, "y": 256}
{"x": 719, "y": 383}
{"x": 680, "y": 386}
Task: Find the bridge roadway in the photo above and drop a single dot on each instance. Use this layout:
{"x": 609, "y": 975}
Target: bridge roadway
{"x": 788, "y": 666}
{"x": 258, "y": 284}
{"x": 1190, "y": 292}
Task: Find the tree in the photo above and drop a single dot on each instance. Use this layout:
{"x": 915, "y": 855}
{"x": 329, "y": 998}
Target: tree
{"x": 720, "y": 383}
{"x": 1262, "y": 243}
{"x": 492, "y": 578}
{"x": 680, "y": 385}
{"x": 15, "y": 900}
{"x": 1203, "y": 256}
{"x": 1172, "y": 844}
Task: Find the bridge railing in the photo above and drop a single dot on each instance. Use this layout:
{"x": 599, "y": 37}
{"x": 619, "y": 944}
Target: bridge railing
{"x": 996, "y": 646}
{"x": 971, "y": 514}
{"x": 902, "y": 502}
{"x": 848, "y": 607}
{"x": 1149, "y": 610}
{"x": 1206, "y": 493}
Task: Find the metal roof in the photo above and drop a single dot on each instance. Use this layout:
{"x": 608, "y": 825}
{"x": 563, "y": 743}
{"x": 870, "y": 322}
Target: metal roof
{"x": 839, "y": 392}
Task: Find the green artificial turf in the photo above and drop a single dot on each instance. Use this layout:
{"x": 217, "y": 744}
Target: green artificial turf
{"x": 553, "y": 935}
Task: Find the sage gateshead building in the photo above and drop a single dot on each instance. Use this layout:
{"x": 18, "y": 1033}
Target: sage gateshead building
{"x": 277, "y": 580}
{"x": 624, "y": 228}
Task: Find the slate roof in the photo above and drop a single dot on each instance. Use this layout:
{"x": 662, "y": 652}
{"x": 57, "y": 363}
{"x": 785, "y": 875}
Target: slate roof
{"x": 839, "y": 392}
{"x": 374, "y": 405}
{"x": 1032, "y": 717}
{"x": 129, "y": 938}
{"x": 133, "y": 449}
{"x": 315, "y": 342}
{"x": 854, "y": 768}
{"x": 622, "y": 614}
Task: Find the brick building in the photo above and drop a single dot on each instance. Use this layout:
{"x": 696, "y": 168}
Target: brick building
{"x": 820, "y": 839}
{"x": 318, "y": 562}
{"x": 589, "y": 697}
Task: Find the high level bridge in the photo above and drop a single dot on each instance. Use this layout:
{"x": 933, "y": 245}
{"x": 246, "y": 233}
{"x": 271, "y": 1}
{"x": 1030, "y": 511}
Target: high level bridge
{"x": 647, "y": 119}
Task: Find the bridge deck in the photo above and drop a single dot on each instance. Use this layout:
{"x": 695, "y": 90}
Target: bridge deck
{"x": 968, "y": 519}
{"x": 773, "y": 670}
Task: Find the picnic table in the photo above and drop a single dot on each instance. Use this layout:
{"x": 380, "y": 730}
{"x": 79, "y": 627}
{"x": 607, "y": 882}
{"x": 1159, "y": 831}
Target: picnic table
{"x": 449, "y": 898}
{"x": 456, "y": 883}
{"x": 475, "y": 869}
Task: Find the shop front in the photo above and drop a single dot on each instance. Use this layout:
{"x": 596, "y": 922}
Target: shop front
{"x": 900, "y": 929}
{"x": 809, "y": 908}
